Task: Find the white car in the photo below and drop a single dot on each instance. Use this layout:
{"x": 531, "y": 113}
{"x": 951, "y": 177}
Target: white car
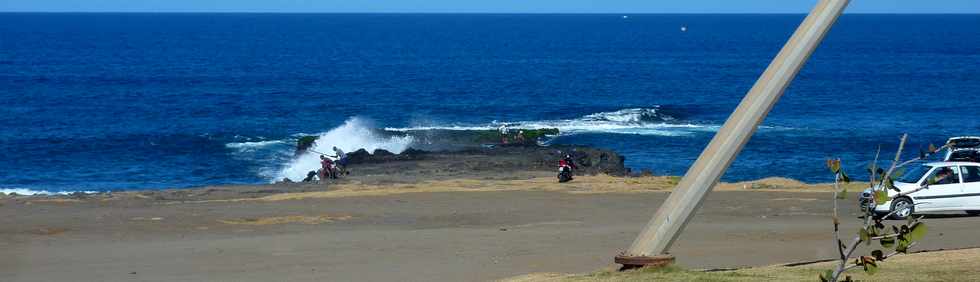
{"x": 956, "y": 188}
{"x": 965, "y": 148}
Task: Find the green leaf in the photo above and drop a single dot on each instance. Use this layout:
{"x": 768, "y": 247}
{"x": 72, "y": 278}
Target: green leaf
{"x": 863, "y": 233}
{"x": 844, "y": 177}
{"x": 889, "y": 183}
{"x": 898, "y": 172}
{"x": 833, "y": 165}
{"x": 842, "y": 195}
{"x": 869, "y": 264}
{"x": 887, "y": 242}
{"x": 918, "y": 231}
{"x": 903, "y": 246}
{"x": 872, "y": 231}
{"x": 881, "y": 196}
{"x": 932, "y": 148}
{"x": 827, "y": 275}
{"x": 870, "y": 268}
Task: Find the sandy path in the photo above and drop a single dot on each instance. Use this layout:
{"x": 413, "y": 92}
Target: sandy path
{"x": 431, "y": 236}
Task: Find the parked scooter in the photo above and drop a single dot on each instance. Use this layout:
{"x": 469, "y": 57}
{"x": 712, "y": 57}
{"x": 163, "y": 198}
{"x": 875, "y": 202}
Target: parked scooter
{"x": 565, "y": 166}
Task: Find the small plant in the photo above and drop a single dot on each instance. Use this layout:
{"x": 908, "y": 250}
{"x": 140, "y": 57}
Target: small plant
{"x": 893, "y": 240}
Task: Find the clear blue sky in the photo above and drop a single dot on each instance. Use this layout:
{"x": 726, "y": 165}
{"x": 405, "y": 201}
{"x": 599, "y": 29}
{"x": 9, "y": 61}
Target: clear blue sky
{"x": 486, "y": 6}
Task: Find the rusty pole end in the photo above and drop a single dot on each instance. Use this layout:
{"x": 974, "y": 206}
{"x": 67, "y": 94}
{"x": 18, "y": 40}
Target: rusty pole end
{"x": 633, "y": 262}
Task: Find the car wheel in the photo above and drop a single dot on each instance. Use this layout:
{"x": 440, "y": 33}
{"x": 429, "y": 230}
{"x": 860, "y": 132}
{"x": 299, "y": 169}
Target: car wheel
{"x": 904, "y": 204}
{"x": 973, "y": 212}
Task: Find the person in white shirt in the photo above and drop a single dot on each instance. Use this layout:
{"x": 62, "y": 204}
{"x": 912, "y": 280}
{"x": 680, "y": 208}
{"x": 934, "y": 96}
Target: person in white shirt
{"x": 503, "y": 133}
{"x": 341, "y": 160}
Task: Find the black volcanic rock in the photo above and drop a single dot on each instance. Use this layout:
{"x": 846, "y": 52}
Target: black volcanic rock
{"x": 499, "y": 159}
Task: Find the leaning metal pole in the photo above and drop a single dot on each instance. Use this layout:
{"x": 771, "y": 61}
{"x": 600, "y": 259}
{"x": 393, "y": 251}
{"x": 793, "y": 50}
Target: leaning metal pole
{"x": 651, "y": 246}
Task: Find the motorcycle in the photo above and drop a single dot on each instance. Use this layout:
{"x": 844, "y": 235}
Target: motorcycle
{"x": 565, "y": 167}
{"x": 564, "y": 173}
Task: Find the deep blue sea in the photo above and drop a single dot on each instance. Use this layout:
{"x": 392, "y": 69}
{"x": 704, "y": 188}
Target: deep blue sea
{"x": 97, "y": 102}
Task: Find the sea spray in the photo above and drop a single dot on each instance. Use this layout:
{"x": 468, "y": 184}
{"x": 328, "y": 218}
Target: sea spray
{"x": 355, "y": 134}
{"x": 30, "y": 192}
{"x": 638, "y": 121}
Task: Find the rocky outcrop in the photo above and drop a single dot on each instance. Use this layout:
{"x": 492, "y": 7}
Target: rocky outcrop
{"x": 479, "y": 152}
{"x": 503, "y": 158}
{"x": 305, "y": 143}
{"x": 380, "y": 156}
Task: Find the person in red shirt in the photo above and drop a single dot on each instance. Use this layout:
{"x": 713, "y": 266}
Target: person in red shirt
{"x": 565, "y": 167}
{"x": 326, "y": 168}
{"x": 567, "y": 161}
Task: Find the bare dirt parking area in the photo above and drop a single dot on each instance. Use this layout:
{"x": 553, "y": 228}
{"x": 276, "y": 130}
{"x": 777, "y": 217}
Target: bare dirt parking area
{"x": 468, "y": 231}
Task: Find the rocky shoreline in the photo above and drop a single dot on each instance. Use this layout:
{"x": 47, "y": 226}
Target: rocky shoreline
{"x": 485, "y": 162}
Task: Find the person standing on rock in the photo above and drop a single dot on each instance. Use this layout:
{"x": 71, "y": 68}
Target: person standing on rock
{"x": 341, "y": 160}
{"x": 503, "y": 133}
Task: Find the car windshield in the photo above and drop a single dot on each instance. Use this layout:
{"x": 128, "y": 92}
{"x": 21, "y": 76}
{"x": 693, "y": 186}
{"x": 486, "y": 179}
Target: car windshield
{"x": 912, "y": 175}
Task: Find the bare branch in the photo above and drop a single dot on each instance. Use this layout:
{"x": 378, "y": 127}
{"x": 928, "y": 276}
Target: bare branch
{"x": 898, "y": 210}
{"x": 883, "y": 237}
{"x": 877, "y": 185}
{"x": 842, "y": 266}
{"x": 874, "y": 166}
{"x": 898, "y": 155}
{"x": 896, "y": 252}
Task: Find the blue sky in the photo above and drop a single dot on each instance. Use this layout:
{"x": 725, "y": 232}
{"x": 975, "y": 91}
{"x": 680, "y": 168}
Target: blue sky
{"x": 486, "y": 6}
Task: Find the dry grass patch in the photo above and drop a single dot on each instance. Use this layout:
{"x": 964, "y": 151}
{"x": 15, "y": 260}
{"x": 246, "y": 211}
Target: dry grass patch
{"x": 955, "y": 265}
{"x": 318, "y": 219}
{"x": 595, "y": 184}
{"x": 54, "y": 201}
{"x": 581, "y": 184}
{"x": 49, "y": 231}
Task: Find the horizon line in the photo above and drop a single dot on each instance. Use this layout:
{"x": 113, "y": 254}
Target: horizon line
{"x": 469, "y": 13}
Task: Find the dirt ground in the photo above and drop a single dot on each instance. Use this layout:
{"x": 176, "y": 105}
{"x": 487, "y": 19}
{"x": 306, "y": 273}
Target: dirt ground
{"x": 445, "y": 230}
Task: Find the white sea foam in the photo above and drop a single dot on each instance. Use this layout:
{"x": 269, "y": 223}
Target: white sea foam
{"x": 640, "y": 121}
{"x": 354, "y": 134}
{"x": 29, "y": 192}
{"x": 253, "y": 145}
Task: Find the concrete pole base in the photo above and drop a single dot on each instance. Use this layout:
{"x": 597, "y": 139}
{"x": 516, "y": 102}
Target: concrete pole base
{"x": 633, "y": 262}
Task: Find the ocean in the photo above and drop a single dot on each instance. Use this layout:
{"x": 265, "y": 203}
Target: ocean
{"x": 107, "y": 102}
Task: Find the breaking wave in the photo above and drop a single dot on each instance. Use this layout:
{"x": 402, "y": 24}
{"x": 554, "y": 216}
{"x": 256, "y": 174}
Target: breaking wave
{"x": 640, "y": 121}
{"x": 355, "y": 134}
{"x": 277, "y": 160}
{"x": 29, "y": 192}
{"x": 247, "y": 146}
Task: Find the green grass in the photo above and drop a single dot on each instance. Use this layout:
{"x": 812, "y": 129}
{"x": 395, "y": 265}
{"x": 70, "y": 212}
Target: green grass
{"x": 956, "y": 265}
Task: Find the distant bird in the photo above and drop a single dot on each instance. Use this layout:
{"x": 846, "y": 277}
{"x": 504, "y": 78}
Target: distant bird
{"x": 683, "y": 29}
